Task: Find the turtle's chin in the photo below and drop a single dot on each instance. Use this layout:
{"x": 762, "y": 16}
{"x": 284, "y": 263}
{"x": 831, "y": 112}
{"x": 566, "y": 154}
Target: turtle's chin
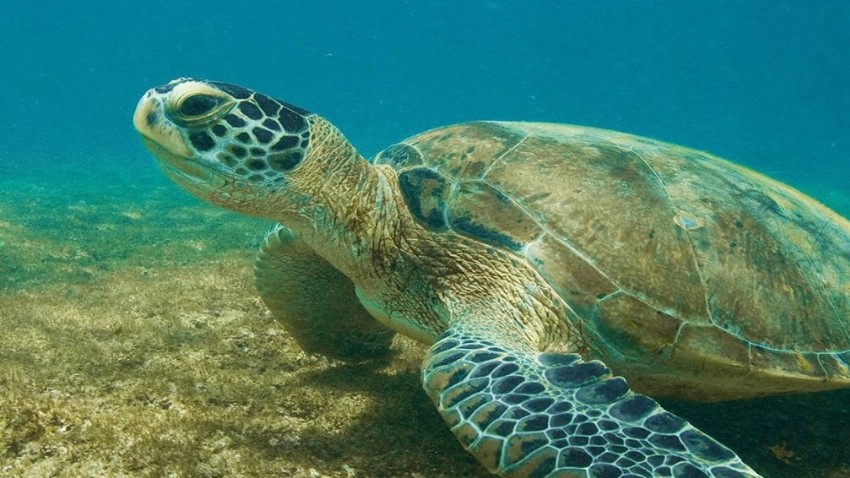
{"x": 177, "y": 167}
{"x": 203, "y": 178}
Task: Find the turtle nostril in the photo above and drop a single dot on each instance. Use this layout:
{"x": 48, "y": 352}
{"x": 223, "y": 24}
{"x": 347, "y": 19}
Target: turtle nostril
{"x": 197, "y": 105}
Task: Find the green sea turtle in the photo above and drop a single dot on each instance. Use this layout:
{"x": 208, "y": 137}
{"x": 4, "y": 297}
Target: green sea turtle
{"x": 531, "y": 258}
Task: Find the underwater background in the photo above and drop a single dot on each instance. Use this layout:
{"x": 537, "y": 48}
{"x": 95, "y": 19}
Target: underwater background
{"x": 132, "y": 341}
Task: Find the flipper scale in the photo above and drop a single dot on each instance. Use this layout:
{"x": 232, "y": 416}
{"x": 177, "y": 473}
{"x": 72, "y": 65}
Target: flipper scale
{"x": 557, "y": 415}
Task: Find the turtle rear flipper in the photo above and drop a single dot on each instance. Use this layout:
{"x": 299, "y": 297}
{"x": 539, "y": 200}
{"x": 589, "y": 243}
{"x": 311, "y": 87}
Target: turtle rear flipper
{"x": 315, "y": 302}
{"x": 528, "y": 414}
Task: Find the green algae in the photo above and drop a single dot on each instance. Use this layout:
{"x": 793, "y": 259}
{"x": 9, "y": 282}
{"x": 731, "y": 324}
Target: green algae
{"x": 134, "y": 344}
{"x": 183, "y": 373}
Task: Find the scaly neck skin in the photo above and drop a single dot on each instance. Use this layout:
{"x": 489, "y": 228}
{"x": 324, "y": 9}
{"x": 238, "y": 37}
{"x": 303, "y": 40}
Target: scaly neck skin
{"x": 345, "y": 207}
{"x": 353, "y": 215}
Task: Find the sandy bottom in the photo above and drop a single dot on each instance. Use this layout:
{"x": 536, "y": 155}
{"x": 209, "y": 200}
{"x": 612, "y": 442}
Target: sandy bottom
{"x": 134, "y": 344}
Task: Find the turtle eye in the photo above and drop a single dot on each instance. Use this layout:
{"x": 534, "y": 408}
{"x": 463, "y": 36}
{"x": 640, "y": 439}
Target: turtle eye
{"x": 197, "y": 105}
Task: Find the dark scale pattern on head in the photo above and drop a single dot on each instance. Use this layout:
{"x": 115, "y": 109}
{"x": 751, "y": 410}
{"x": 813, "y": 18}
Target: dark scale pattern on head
{"x": 285, "y": 161}
{"x": 292, "y": 121}
{"x": 272, "y": 124}
{"x": 250, "y": 110}
{"x": 238, "y": 151}
{"x": 201, "y": 140}
{"x": 256, "y": 164}
{"x": 268, "y": 106}
{"x": 258, "y": 138}
{"x": 227, "y": 160}
{"x": 219, "y": 130}
{"x": 166, "y": 88}
{"x": 526, "y": 414}
{"x": 234, "y": 121}
{"x": 263, "y": 135}
{"x": 285, "y": 142}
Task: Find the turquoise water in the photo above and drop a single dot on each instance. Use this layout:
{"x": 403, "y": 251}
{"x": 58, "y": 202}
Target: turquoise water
{"x": 762, "y": 83}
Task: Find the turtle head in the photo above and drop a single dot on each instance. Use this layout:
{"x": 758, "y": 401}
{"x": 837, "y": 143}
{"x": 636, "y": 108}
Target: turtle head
{"x": 224, "y": 143}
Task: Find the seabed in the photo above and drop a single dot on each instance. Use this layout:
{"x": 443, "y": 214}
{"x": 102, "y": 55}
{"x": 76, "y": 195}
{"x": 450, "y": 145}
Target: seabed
{"x": 134, "y": 344}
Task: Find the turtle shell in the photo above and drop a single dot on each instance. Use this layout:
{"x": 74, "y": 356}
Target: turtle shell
{"x": 686, "y": 269}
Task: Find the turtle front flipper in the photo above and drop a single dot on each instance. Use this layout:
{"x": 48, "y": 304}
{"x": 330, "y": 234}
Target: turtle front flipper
{"x": 528, "y": 414}
{"x": 316, "y": 302}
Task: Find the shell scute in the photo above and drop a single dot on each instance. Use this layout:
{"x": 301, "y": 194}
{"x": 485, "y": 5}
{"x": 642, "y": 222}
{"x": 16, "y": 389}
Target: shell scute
{"x": 479, "y": 210}
{"x": 572, "y": 276}
{"x": 605, "y": 201}
{"x": 426, "y": 191}
{"x": 466, "y": 153}
{"x": 399, "y": 156}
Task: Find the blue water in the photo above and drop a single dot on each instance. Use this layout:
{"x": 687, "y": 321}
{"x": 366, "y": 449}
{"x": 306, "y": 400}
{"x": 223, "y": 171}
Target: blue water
{"x": 765, "y": 83}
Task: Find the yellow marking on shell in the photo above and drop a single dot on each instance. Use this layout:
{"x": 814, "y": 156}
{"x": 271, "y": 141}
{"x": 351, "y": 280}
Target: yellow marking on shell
{"x": 802, "y": 362}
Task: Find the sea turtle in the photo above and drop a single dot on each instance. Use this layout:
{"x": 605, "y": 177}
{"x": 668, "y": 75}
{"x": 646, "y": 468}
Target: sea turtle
{"x": 531, "y": 258}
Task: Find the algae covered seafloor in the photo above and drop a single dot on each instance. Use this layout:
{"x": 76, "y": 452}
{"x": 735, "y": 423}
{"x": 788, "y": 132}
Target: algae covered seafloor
{"x": 133, "y": 344}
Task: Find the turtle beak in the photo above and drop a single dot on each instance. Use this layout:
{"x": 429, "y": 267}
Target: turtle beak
{"x": 151, "y": 123}
{"x": 162, "y": 138}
